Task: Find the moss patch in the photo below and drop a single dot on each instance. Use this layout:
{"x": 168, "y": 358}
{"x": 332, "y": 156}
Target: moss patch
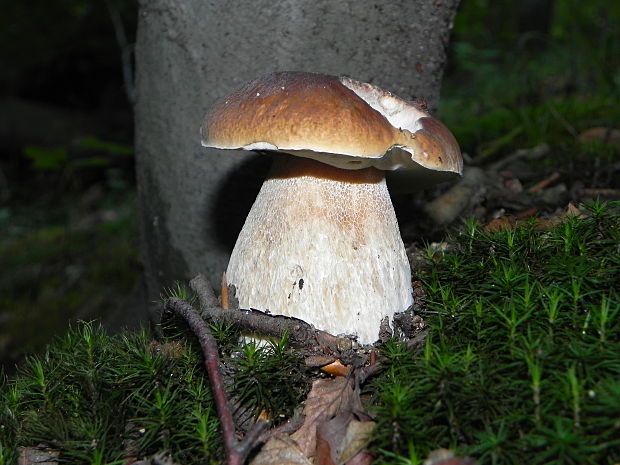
{"x": 521, "y": 364}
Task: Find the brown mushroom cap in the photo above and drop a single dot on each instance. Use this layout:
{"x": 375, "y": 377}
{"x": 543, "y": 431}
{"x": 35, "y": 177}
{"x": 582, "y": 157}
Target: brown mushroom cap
{"x": 336, "y": 120}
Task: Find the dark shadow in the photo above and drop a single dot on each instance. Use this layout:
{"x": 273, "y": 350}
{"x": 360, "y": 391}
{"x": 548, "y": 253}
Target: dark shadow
{"x": 234, "y": 198}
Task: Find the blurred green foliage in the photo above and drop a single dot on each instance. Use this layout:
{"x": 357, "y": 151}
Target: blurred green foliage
{"x": 95, "y": 143}
{"x": 69, "y": 243}
{"x": 549, "y": 69}
{"x": 46, "y": 159}
{"x": 86, "y": 152}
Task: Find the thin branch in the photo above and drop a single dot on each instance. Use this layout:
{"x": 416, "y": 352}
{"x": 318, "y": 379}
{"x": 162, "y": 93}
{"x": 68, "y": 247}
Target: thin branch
{"x": 236, "y": 451}
{"x": 612, "y": 194}
{"x": 224, "y": 299}
{"x": 528, "y": 154}
{"x": 200, "y": 285}
{"x": 212, "y": 364}
{"x": 252, "y": 438}
{"x": 300, "y": 333}
{"x": 544, "y": 183}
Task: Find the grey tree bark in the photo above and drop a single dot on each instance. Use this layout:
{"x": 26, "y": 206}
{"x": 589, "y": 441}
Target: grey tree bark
{"x": 190, "y": 52}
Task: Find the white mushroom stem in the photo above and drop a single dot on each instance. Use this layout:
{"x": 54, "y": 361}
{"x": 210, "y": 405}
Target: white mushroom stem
{"x": 322, "y": 244}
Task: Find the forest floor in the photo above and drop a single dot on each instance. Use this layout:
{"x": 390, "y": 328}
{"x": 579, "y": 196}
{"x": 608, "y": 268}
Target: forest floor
{"x": 517, "y": 271}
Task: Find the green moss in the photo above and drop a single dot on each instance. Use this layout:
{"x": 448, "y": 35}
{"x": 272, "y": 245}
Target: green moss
{"x": 521, "y": 364}
{"x": 270, "y": 378}
{"x": 91, "y": 395}
{"x": 95, "y": 398}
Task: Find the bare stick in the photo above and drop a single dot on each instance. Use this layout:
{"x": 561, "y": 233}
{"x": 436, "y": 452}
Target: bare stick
{"x": 236, "y": 451}
{"x": 608, "y": 193}
{"x": 544, "y": 183}
{"x": 528, "y": 154}
{"x": 200, "y": 285}
{"x": 300, "y": 333}
{"x": 224, "y": 293}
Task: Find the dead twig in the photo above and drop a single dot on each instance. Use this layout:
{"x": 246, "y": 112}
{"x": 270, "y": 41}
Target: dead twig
{"x": 200, "y": 285}
{"x": 224, "y": 300}
{"x": 526, "y": 214}
{"x": 527, "y": 154}
{"x": 370, "y": 370}
{"x": 544, "y": 183}
{"x": 300, "y": 333}
{"x": 236, "y": 451}
{"x": 611, "y": 194}
{"x": 445, "y": 208}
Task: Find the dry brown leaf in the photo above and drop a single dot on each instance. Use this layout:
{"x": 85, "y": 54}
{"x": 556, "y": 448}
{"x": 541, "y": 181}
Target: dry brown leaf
{"x": 329, "y": 436}
{"x": 547, "y": 224}
{"x": 264, "y": 415}
{"x": 605, "y": 135}
{"x": 542, "y": 224}
{"x": 342, "y": 438}
{"x": 356, "y": 438}
{"x": 501, "y": 223}
{"x": 362, "y": 458}
{"x": 280, "y": 449}
{"x": 335, "y": 430}
{"x": 325, "y": 400}
{"x": 323, "y": 452}
{"x": 336, "y": 368}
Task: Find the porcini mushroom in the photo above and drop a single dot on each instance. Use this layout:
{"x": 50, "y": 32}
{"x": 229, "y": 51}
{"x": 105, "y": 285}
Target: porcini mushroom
{"x": 321, "y": 242}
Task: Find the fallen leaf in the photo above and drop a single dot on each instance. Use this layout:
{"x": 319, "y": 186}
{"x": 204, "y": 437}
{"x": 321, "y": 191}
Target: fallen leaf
{"x": 547, "y": 224}
{"x": 336, "y": 368}
{"x": 335, "y": 430}
{"x": 605, "y": 135}
{"x": 362, "y": 458}
{"x": 501, "y": 223}
{"x": 356, "y": 439}
{"x": 326, "y": 398}
{"x": 342, "y": 438}
{"x": 280, "y": 449}
{"x": 542, "y": 224}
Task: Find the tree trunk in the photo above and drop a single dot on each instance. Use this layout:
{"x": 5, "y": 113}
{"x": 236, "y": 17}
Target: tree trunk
{"x": 190, "y": 52}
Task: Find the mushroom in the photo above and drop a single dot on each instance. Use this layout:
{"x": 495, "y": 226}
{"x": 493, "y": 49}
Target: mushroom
{"x": 321, "y": 242}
